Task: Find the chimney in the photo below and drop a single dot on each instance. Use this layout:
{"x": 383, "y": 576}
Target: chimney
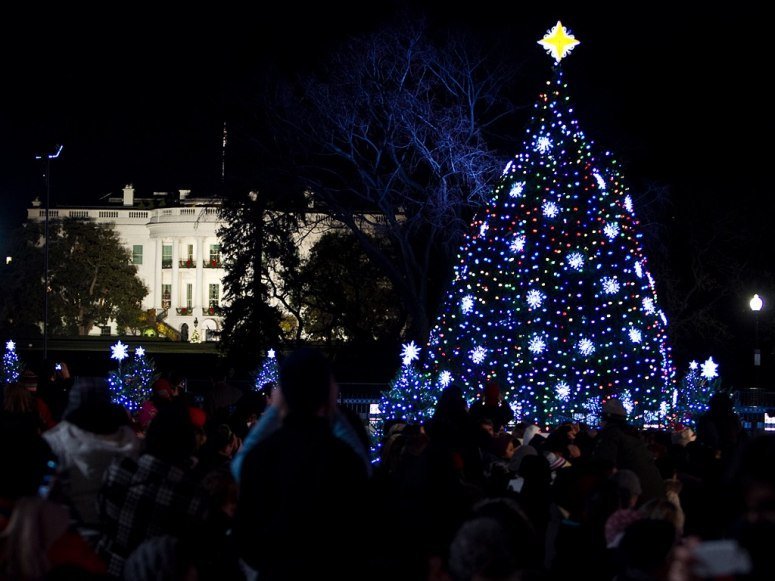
{"x": 129, "y": 195}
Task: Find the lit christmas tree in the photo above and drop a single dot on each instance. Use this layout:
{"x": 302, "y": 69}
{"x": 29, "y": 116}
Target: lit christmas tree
{"x": 410, "y": 397}
{"x": 692, "y": 397}
{"x": 552, "y": 297}
{"x": 269, "y": 371}
{"x": 12, "y": 367}
{"x": 131, "y": 384}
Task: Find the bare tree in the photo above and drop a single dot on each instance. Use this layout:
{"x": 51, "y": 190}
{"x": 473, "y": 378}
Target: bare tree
{"x": 392, "y": 139}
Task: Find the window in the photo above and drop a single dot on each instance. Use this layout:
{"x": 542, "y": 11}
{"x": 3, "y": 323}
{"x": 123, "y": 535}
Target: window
{"x": 189, "y": 294}
{"x": 214, "y": 295}
{"x": 137, "y": 254}
{"x": 166, "y": 256}
{"x": 190, "y": 253}
{"x": 105, "y": 330}
{"x": 215, "y": 253}
{"x": 166, "y": 295}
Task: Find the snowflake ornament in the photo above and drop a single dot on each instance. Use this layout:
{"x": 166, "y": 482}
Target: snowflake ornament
{"x": 610, "y": 285}
{"x": 270, "y": 354}
{"x": 550, "y": 209}
{"x": 563, "y": 391}
{"x": 508, "y": 167}
{"x": 600, "y": 180}
{"x": 483, "y": 228}
{"x": 693, "y": 365}
{"x": 467, "y": 304}
{"x": 517, "y": 244}
{"x": 543, "y": 144}
{"x": 516, "y": 189}
{"x": 118, "y": 351}
{"x": 139, "y": 352}
{"x": 10, "y": 345}
{"x": 535, "y": 298}
{"x": 445, "y": 378}
{"x": 638, "y": 269}
{"x": 537, "y": 344}
{"x": 628, "y": 203}
{"x": 648, "y": 305}
{"x": 586, "y": 347}
{"x": 635, "y": 335}
{"x": 611, "y": 230}
{"x": 575, "y": 260}
{"x": 478, "y": 353}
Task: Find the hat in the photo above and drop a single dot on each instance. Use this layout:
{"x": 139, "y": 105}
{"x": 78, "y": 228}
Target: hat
{"x": 556, "y": 461}
{"x": 162, "y": 387}
{"x": 627, "y": 479}
{"x": 614, "y": 407}
{"x": 198, "y": 416}
{"x": 29, "y": 379}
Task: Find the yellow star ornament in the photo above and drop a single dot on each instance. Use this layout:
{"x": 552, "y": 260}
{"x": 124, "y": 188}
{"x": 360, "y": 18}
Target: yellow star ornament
{"x": 557, "y": 42}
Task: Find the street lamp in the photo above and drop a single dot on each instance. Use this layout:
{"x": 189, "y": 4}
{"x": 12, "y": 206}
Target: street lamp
{"x": 48, "y": 157}
{"x": 756, "y": 305}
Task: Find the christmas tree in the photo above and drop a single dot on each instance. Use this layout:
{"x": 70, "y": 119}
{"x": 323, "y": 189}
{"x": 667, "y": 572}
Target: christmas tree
{"x": 692, "y": 398}
{"x": 268, "y": 372}
{"x": 12, "y": 367}
{"x": 410, "y": 397}
{"x": 131, "y": 384}
{"x": 552, "y": 297}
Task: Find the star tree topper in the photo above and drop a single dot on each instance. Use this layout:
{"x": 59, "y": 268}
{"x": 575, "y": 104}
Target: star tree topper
{"x": 558, "y": 42}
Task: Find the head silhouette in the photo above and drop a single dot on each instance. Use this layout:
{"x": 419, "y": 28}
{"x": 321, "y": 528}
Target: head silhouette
{"x": 306, "y": 381}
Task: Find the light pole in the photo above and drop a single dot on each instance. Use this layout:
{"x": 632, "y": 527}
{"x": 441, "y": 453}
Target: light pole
{"x": 48, "y": 157}
{"x": 756, "y": 305}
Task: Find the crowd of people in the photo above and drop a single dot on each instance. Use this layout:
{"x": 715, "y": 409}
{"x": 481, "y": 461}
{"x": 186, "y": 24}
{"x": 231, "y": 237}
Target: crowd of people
{"x": 282, "y": 483}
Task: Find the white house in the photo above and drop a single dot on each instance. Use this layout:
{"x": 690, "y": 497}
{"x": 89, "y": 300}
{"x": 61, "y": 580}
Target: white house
{"x": 177, "y": 253}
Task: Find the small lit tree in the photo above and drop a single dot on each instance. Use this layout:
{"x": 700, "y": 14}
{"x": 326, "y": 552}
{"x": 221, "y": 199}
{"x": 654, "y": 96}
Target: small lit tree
{"x": 269, "y": 371}
{"x": 410, "y": 397}
{"x": 692, "y": 398}
{"x": 12, "y": 367}
{"x": 131, "y": 385}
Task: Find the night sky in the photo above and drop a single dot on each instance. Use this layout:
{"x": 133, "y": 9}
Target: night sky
{"x": 141, "y": 97}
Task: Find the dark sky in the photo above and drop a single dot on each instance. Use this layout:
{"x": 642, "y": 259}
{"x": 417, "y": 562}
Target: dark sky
{"x": 141, "y": 96}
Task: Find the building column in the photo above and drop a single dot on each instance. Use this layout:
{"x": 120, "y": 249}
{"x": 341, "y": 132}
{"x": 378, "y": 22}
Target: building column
{"x": 198, "y": 292}
{"x": 157, "y": 277}
{"x": 175, "y": 276}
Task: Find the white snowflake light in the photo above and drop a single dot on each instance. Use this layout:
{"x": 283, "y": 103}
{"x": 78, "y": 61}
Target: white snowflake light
{"x": 139, "y": 352}
{"x": 409, "y": 352}
{"x": 600, "y": 180}
{"x": 118, "y": 351}
{"x": 638, "y": 269}
{"x": 537, "y": 344}
{"x": 477, "y": 354}
{"x": 10, "y": 346}
{"x": 626, "y": 399}
{"x": 508, "y": 167}
{"x": 710, "y": 369}
{"x": 270, "y": 354}
{"x": 563, "y": 391}
{"x": 693, "y": 365}
{"x": 611, "y": 230}
{"x": 516, "y": 189}
{"x": 663, "y": 317}
{"x": 575, "y": 260}
{"x": 483, "y": 228}
{"x": 675, "y": 397}
{"x": 648, "y": 305}
{"x": 586, "y": 347}
{"x": 535, "y": 298}
{"x": 445, "y": 378}
{"x": 628, "y": 203}
{"x": 635, "y": 335}
{"x": 610, "y": 285}
{"x": 550, "y": 209}
{"x": 543, "y": 144}
{"x": 663, "y": 409}
{"x": 467, "y": 304}
{"x": 517, "y": 244}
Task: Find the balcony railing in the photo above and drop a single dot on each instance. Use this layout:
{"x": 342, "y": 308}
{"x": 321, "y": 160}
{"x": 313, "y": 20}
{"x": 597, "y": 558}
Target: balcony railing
{"x": 165, "y": 263}
{"x": 188, "y": 263}
{"x": 185, "y": 311}
{"x": 212, "y": 263}
{"x": 213, "y": 310}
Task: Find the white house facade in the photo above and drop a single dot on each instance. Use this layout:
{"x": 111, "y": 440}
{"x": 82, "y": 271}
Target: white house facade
{"x": 177, "y": 253}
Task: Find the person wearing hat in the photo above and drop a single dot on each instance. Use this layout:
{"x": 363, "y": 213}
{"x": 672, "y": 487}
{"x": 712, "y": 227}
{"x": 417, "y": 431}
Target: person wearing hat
{"x": 622, "y": 444}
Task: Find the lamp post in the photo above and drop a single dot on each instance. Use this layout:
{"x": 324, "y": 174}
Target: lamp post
{"x": 48, "y": 157}
{"x": 756, "y": 305}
